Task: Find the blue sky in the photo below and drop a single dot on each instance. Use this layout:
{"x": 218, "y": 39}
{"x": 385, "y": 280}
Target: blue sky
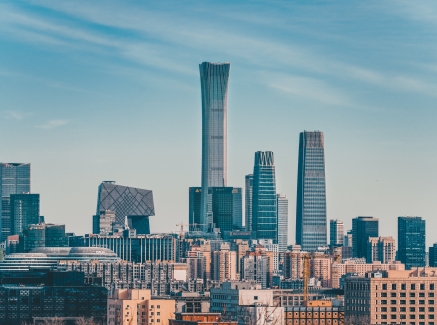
{"x": 109, "y": 90}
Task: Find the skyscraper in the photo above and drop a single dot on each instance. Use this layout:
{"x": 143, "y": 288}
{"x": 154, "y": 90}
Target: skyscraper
{"x": 237, "y": 208}
{"x": 214, "y": 79}
{"x": 282, "y": 212}
{"x": 411, "y": 238}
{"x": 336, "y": 232}
{"x": 311, "y": 226}
{"x": 248, "y": 202}
{"x": 130, "y": 204}
{"x": 362, "y": 229}
{"x": 194, "y": 219}
{"x": 264, "y": 213}
{"x": 24, "y": 211}
{"x": 226, "y": 207}
{"x": 14, "y": 179}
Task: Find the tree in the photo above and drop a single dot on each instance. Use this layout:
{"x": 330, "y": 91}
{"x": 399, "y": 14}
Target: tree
{"x": 54, "y": 321}
{"x": 357, "y": 320}
{"x": 86, "y": 321}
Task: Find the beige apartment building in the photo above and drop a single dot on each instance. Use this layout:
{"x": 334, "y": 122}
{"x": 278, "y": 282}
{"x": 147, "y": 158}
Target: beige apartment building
{"x": 360, "y": 268}
{"x": 135, "y": 306}
{"x": 392, "y": 297}
{"x": 225, "y": 264}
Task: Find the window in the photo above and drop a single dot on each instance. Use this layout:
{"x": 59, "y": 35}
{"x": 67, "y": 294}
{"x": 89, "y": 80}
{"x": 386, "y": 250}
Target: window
{"x": 422, "y": 286}
{"x": 412, "y": 302}
{"x": 158, "y": 313}
{"x": 403, "y": 302}
{"x": 431, "y": 316}
{"x": 402, "y": 309}
{"x": 158, "y": 321}
{"x": 412, "y": 309}
{"x": 393, "y": 302}
{"x": 383, "y": 302}
{"x": 421, "y": 294}
{"x": 158, "y": 306}
{"x": 431, "y": 302}
{"x": 152, "y": 306}
{"x": 413, "y": 286}
{"x": 384, "y": 294}
{"x": 430, "y": 294}
{"x": 431, "y": 286}
{"x": 431, "y": 309}
{"x": 393, "y": 309}
{"x": 421, "y": 302}
{"x": 383, "y": 309}
{"x": 255, "y": 298}
{"x": 412, "y": 316}
{"x": 393, "y": 294}
{"x": 393, "y": 316}
{"x": 402, "y": 294}
{"x": 421, "y": 316}
{"x": 403, "y": 286}
{"x": 403, "y": 316}
{"x": 412, "y": 294}
{"x": 383, "y": 316}
{"x": 393, "y": 286}
{"x": 384, "y": 286}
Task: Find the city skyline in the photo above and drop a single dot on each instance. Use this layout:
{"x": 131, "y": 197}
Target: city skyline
{"x": 60, "y": 57}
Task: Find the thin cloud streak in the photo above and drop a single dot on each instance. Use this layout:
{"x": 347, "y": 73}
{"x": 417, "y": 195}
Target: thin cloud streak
{"x": 52, "y": 124}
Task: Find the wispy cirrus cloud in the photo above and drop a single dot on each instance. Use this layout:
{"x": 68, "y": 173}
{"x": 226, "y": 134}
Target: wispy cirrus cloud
{"x": 14, "y": 115}
{"x": 52, "y": 124}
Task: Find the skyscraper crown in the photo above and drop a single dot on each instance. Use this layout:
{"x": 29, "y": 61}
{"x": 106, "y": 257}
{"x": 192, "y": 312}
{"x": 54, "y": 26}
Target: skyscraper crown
{"x": 264, "y": 158}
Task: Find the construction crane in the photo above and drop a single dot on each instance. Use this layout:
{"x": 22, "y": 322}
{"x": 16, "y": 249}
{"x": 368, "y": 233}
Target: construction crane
{"x": 181, "y": 232}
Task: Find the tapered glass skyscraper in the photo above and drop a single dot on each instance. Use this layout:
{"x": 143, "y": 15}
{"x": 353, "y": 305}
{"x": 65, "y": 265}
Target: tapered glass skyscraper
{"x": 311, "y": 226}
{"x": 214, "y": 78}
{"x": 264, "y": 202}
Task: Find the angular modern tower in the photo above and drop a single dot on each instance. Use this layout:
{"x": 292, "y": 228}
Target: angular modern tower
{"x": 264, "y": 210}
{"x": 214, "y": 78}
{"x": 130, "y": 204}
{"x": 14, "y": 179}
{"x": 311, "y": 228}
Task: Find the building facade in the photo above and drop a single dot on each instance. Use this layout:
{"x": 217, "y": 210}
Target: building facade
{"x": 131, "y": 205}
{"x": 194, "y": 208}
{"x": 311, "y": 228}
{"x": 282, "y": 212}
{"x": 248, "y": 201}
{"x": 336, "y": 232}
{"x": 214, "y": 78}
{"x": 14, "y": 179}
{"x": 264, "y": 209}
{"x": 411, "y": 238}
{"x": 362, "y": 229}
{"x": 381, "y": 249}
{"x": 24, "y": 210}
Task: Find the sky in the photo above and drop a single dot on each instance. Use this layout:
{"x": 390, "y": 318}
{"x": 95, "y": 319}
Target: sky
{"x": 110, "y": 90}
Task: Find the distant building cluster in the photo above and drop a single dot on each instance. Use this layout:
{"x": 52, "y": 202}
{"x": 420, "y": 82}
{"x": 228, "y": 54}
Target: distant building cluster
{"x": 231, "y": 266}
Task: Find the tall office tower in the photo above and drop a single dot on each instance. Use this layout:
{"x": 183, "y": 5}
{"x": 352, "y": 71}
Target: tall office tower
{"x": 311, "y": 230}
{"x": 194, "y": 221}
{"x": 362, "y": 229}
{"x": 248, "y": 202}
{"x": 336, "y": 232}
{"x": 14, "y": 179}
{"x": 225, "y": 204}
{"x": 411, "y": 238}
{"x": 282, "y": 212}
{"x": 381, "y": 249}
{"x": 130, "y": 204}
{"x": 264, "y": 214}
{"x": 432, "y": 256}
{"x": 347, "y": 240}
{"x": 24, "y": 211}
{"x": 214, "y": 79}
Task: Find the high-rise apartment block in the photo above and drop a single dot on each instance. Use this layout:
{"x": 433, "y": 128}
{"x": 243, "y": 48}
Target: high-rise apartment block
{"x": 411, "y": 238}
{"x": 381, "y": 249}
{"x": 248, "y": 201}
{"x": 362, "y": 229}
{"x": 336, "y": 232}
{"x": 24, "y": 211}
{"x": 214, "y": 78}
{"x": 14, "y": 179}
{"x": 131, "y": 205}
{"x": 194, "y": 207}
{"x": 311, "y": 229}
{"x": 282, "y": 212}
{"x": 224, "y": 264}
{"x": 264, "y": 210}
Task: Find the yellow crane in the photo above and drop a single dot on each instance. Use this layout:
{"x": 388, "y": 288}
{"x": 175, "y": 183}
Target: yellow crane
{"x": 306, "y": 275}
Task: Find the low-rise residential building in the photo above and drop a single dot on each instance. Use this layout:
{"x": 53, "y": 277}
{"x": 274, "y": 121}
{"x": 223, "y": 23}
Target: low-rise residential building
{"x": 314, "y": 312}
{"x": 200, "y": 319}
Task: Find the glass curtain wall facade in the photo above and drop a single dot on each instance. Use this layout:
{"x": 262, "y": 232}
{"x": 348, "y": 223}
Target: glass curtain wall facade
{"x": 24, "y": 212}
{"x": 362, "y": 229}
{"x": 311, "y": 228}
{"x": 194, "y": 220}
{"x": 248, "y": 202}
{"x": 264, "y": 211}
{"x": 214, "y": 78}
{"x": 411, "y": 238}
{"x": 282, "y": 211}
{"x": 14, "y": 179}
{"x": 130, "y": 204}
{"x": 336, "y": 232}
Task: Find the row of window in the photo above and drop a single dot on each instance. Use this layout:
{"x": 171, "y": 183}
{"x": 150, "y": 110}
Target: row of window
{"x": 404, "y": 294}
{"x": 403, "y": 302}
{"x": 403, "y": 286}
{"x": 403, "y": 309}
{"x": 403, "y": 316}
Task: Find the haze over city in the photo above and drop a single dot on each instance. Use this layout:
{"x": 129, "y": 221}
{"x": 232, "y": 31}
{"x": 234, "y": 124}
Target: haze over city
{"x": 110, "y": 91}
